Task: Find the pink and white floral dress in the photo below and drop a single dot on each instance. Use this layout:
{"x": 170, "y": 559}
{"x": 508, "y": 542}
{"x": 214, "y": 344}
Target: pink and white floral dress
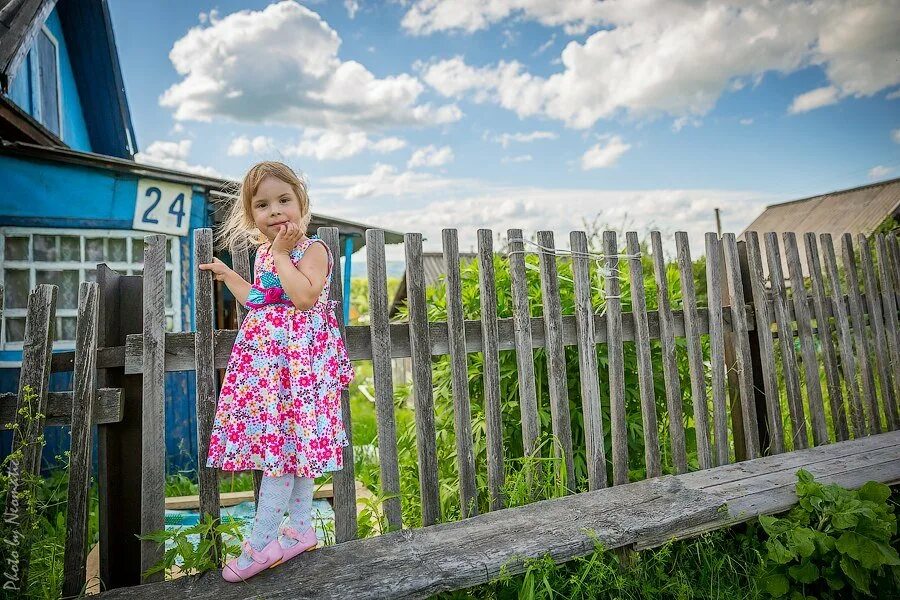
{"x": 279, "y": 409}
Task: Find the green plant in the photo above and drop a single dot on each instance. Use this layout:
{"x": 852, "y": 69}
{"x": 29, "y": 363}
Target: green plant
{"x": 836, "y": 543}
{"x": 189, "y": 558}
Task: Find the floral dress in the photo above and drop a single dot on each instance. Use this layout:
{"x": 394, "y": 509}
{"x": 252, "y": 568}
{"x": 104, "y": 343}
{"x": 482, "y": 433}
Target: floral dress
{"x": 279, "y": 409}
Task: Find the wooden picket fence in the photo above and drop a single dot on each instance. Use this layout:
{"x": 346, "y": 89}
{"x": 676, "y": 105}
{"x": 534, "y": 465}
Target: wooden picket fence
{"x": 845, "y": 322}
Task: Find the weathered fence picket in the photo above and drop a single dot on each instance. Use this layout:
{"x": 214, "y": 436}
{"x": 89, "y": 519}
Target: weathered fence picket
{"x": 889, "y": 289}
{"x": 615, "y": 361}
{"x": 717, "y": 348}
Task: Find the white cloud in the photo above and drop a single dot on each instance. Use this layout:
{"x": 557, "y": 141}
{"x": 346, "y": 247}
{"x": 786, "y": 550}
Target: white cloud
{"x": 746, "y": 121}
{"x": 893, "y": 95}
{"x": 880, "y": 172}
{"x": 601, "y": 156}
{"x": 673, "y": 57}
{"x": 680, "y": 123}
{"x": 505, "y": 139}
{"x": 281, "y": 65}
{"x": 173, "y": 155}
{"x": 429, "y": 16}
{"x": 242, "y": 145}
{"x": 352, "y": 6}
{"x": 545, "y": 46}
{"x": 317, "y": 143}
{"x": 813, "y": 99}
{"x": 895, "y": 135}
{"x": 516, "y": 159}
{"x": 430, "y": 156}
{"x": 383, "y": 181}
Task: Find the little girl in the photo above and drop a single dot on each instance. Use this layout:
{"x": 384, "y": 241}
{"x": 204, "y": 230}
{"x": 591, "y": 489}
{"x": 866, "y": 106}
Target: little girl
{"x": 279, "y": 408}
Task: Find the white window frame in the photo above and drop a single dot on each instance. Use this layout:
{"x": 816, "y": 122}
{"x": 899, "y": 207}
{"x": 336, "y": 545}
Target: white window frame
{"x": 128, "y": 267}
{"x": 36, "y": 80}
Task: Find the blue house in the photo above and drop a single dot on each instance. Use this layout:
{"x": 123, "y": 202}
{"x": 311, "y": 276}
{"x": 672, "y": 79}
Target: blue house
{"x": 73, "y": 196}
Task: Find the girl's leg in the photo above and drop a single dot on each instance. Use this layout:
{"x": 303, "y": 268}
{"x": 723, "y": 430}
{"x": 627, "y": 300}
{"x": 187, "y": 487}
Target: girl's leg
{"x": 300, "y": 508}
{"x": 274, "y": 493}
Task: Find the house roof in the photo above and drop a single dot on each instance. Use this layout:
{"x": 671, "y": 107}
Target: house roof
{"x": 87, "y": 27}
{"x": 857, "y": 210}
{"x": 433, "y": 263}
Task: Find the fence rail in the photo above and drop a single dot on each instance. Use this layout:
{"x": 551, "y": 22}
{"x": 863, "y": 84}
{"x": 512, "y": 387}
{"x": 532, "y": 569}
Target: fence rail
{"x": 750, "y": 323}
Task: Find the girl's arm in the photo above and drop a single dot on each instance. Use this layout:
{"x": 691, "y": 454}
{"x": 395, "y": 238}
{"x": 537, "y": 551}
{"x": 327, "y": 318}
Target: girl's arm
{"x": 239, "y": 287}
{"x": 305, "y": 282}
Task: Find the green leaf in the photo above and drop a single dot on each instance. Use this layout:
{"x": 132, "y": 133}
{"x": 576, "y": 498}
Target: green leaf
{"x": 861, "y": 549}
{"x": 804, "y": 476}
{"x": 801, "y": 541}
{"x": 774, "y": 526}
{"x": 859, "y": 577}
{"x": 805, "y": 573}
{"x": 888, "y": 554}
{"x": 777, "y": 585}
{"x": 833, "y": 578}
{"x": 778, "y": 552}
{"x": 875, "y": 492}
{"x": 844, "y": 520}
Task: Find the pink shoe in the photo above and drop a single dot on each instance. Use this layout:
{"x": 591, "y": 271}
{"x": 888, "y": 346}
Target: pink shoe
{"x": 263, "y": 559}
{"x": 305, "y": 541}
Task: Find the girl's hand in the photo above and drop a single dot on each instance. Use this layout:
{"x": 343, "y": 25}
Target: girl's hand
{"x": 220, "y": 270}
{"x": 287, "y": 237}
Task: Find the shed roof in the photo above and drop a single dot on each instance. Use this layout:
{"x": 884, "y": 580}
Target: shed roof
{"x": 857, "y": 210}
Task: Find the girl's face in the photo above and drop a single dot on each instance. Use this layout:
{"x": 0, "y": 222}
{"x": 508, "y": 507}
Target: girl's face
{"x": 274, "y": 205}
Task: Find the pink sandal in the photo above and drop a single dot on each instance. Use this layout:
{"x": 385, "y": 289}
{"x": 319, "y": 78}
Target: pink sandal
{"x": 263, "y": 559}
{"x": 305, "y": 541}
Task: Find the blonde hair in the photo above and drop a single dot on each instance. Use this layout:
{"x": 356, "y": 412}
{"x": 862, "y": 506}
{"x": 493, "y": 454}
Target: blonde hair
{"x": 239, "y": 227}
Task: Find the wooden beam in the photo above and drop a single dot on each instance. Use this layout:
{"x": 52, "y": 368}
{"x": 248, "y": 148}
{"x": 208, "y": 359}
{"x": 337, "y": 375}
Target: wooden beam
{"x": 108, "y": 408}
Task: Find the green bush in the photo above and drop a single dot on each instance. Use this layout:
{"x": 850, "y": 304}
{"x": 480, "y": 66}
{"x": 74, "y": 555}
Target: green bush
{"x": 836, "y": 543}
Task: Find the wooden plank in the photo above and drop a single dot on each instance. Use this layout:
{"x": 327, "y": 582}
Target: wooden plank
{"x": 823, "y": 325}
{"x": 845, "y": 340}
{"x": 876, "y": 325}
{"x": 615, "y": 360}
{"x": 493, "y": 420}
{"x": 422, "y": 562}
{"x": 531, "y": 427}
{"x": 83, "y": 398}
{"x": 741, "y": 346}
{"x": 645, "y": 365}
{"x": 807, "y": 344}
{"x": 345, "y": 514}
{"x": 764, "y": 316}
{"x": 27, "y": 437}
{"x": 858, "y": 327}
{"x": 422, "y": 381}
{"x": 889, "y": 289}
{"x": 107, "y": 408}
{"x": 107, "y": 358}
{"x": 695, "y": 355}
{"x": 799, "y": 438}
{"x": 381, "y": 370}
{"x": 206, "y": 388}
{"x": 180, "y": 346}
{"x": 153, "y": 426}
{"x": 587, "y": 363}
{"x": 240, "y": 262}
{"x": 459, "y": 378}
{"x": 716, "y": 348}
{"x": 670, "y": 363}
{"x": 556, "y": 357}
{"x": 119, "y": 444}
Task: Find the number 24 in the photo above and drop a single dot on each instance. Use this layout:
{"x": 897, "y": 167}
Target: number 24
{"x": 176, "y": 209}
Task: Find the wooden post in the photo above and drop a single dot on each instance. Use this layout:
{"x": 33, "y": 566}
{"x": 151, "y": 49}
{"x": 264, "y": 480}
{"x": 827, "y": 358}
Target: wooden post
{"x": 28, "y": 435}
{"x": 153, "y": 440}
{"x": 206, "y": 388}
{"x": 462, "y": 408}
{"x": 379, "y": 329}
{"x": 345, "y": 523}
{"x": 119, "y": 444}
{"x": 714, "y": 288}
{"x": 556, "y": 357}
{"x": 420, "y": 348}
{"x": 83, "y": 398}
{"x": 616, "y": 361}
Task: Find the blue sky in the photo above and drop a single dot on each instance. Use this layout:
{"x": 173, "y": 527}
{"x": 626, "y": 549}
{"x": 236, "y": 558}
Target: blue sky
{"x": 417, "y": 115}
